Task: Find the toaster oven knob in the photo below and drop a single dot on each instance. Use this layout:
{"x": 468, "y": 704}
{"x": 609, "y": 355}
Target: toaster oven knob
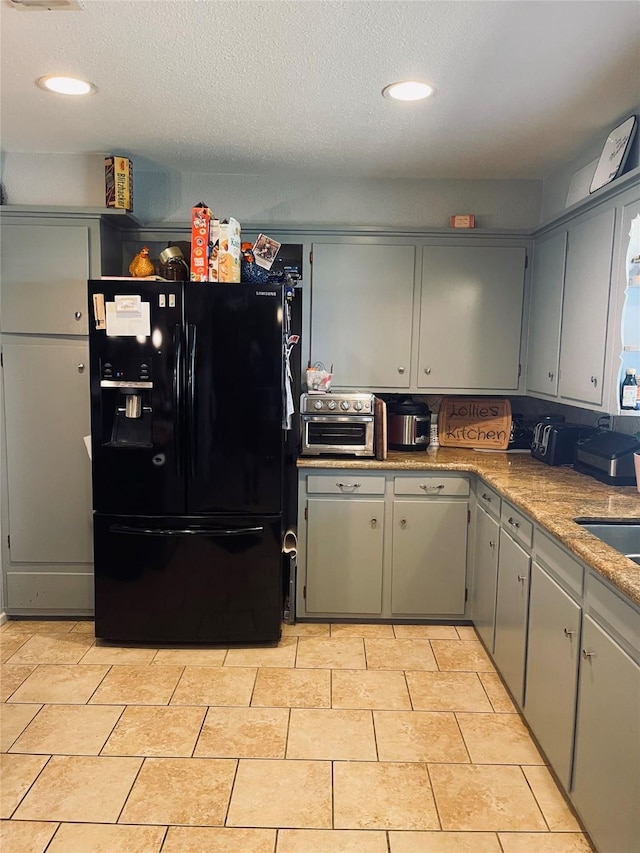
{"x": 331, "y": 404}
{"x": 317, "y": 404}
{"x": 344, "y": 405}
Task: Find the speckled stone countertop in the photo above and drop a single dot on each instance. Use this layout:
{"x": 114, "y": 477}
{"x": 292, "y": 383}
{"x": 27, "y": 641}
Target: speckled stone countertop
{"x": 551, "y": 496}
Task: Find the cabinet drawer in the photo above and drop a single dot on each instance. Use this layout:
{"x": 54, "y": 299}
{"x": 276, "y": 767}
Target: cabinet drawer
{"x": 567, "y": 570}
{"x": 344, "y": 484}
{"x": 488, "y": 499}
{"x": 517, "y": 524}
{"x": 431, "y": 486}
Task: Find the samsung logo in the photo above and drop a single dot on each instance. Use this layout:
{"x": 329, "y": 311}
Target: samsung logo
{"x": 266, "y": 293}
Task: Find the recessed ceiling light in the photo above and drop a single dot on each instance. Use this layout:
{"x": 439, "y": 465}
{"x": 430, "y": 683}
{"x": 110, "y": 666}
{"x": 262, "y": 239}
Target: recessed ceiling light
{"x": 66, "y": 85}
{"x": 410, "y": 90}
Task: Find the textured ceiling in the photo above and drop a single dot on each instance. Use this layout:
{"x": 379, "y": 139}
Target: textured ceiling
{"x": 268, "y": 87}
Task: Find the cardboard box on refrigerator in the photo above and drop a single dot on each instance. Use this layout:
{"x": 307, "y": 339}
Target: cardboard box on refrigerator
{"x": 214, "y": 248}
{"x": 200, "y": 225}
{"x": 229, "y": 251}
{"x": 118, "y": 182}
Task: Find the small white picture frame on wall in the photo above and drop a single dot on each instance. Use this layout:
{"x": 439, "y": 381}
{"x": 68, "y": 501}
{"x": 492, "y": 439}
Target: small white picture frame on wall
{"x": 614, "y": 154}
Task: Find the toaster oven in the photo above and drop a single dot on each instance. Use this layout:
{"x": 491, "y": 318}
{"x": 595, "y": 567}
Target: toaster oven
{"x": 337, "y": 424}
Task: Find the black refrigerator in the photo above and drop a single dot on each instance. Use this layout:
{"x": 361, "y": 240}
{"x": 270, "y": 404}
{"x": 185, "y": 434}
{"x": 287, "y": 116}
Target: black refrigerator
{"x": 193, "y": 460}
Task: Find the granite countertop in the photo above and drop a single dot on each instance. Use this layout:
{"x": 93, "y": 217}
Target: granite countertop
{"x": 551, "y": 496}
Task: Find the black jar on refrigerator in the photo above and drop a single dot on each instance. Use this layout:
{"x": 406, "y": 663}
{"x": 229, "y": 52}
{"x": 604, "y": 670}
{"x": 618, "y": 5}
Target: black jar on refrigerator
{"x": 408, "y": 424}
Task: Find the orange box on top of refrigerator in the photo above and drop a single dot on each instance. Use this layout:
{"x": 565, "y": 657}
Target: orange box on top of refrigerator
{"x": 200, "y": 225}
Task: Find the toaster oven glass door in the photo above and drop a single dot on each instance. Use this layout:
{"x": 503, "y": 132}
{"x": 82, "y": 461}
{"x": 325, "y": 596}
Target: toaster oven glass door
{"x": 335, "y": 434}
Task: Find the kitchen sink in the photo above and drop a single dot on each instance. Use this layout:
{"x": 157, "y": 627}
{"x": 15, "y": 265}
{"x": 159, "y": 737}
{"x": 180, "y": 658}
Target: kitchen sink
{"x": 624, "y": 536}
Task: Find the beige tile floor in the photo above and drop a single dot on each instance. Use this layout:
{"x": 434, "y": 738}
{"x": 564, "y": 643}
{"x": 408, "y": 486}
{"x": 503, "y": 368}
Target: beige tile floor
{"x": 367, "y": 738}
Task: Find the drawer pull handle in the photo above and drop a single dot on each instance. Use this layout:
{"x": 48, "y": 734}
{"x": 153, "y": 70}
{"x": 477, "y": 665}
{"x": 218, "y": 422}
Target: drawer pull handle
{"x": 486, "y": 497}
{"x": 78, "y": 315}
{"x": 568, "y": 633}
{"x": 515, "y": 523}
{"x": 427, "y": 370}
{"x": 430, "y": 488}
{"x": 586, "y": 655}
{"x": 522, "y": 578}
{"x": 492, "y": 544}
{"x": 374, "y": 523}
{"x": 403, "y": 523}
{"x": 401, "y": 370}
{"x": 348, "y": 485}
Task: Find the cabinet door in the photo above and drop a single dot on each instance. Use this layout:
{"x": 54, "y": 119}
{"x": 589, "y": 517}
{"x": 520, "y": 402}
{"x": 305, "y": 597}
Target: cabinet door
{"x": 544, "y": 318}
{"x": 344, "y": 556}
{"x": 585, "y": 308}
{"x": 48, "y": 469}
{"x": 44, "y": 278}
{"x": 606, "y": 777}
{"x": 429, "y": 557}
{"x": 511, "y": 614}
{"x": 483, "y": 598}
{"x": 552, "y": 670}
{"x": 470, "y": 317}
{"x": 626, "y": 297}
{"x": 361, "y": 316}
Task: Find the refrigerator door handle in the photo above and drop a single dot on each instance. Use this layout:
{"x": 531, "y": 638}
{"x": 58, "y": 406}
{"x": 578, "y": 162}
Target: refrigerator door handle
{"x": 189, "y": 531}
{"x": 177, "y": 397}
{"x": 191, "y": 392}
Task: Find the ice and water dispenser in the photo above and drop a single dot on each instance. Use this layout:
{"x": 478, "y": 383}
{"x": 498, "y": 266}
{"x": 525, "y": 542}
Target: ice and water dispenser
{"x": 126, "y": 387}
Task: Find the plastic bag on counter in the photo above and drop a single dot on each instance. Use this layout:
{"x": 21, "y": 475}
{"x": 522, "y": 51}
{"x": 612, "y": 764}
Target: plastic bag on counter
{"x": 318, "y": 378}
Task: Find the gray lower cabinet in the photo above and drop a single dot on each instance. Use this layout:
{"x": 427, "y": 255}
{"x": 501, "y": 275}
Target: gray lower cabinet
{"x": 552, "y": 670}
{"x": 485, "y": 576}
{"x": 512, "y": 602}
{"x": 429, "y": 557}
{"x": 344, "y": 555}
{"x": 382, "y": 546}
{"x": 341, "y": 547}
{"x": 606, "y": 777}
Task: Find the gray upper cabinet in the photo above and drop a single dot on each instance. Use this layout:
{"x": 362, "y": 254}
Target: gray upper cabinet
{"x": 361, "y": 313}
{"x": 471, "y": 317}
{"x": 585, "y": 310}
{"x": 545, "y": 315}
{"x": 44, "y": 278}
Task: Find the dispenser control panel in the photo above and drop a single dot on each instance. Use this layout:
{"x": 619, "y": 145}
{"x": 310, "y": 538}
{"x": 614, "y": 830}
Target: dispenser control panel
{"x": 131, "y": 370}
{"x": 132, "y": 373}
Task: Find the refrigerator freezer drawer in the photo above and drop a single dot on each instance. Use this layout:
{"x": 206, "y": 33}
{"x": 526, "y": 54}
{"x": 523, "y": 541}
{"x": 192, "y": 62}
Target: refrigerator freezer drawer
{"x": 188, "y": 579}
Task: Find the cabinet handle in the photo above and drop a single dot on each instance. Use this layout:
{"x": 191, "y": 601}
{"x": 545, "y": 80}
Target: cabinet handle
{"x": 427, "y": 370}
{"x": 403, "y": 523}
{"x": 374, "y": 522}
{"x": 515, "y": 523}
{"x": 586, "y": 655}
{"x": 401, "y": 370}
{"x": 78, "y": 315}
{"x": 486, "y": 497}
{"x": 568, "y": 633}
{"x": 492, "y": 544}
{"x": 429, "y": 488}
{"x": 594, "y": 381}
{"x": 551, "y": 375}
{"x": 81, "y": 368}
{"x": 522, "y": 578}
{"x": 348, "y": 485}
